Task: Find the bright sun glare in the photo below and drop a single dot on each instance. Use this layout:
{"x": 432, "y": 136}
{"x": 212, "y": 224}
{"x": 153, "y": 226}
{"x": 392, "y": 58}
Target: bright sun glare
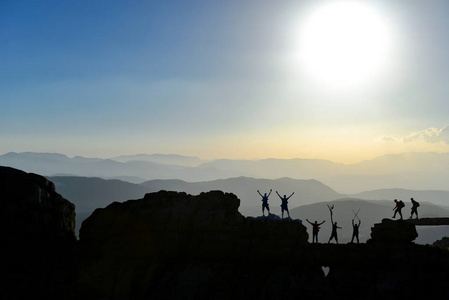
{"x": 345, "y": 43}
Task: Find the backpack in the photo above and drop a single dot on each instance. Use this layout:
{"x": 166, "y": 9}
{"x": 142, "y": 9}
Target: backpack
{"x": 401, "y": 204}
{"x": 416, "y": 203}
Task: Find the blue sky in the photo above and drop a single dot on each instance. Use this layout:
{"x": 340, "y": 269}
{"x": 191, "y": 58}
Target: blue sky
{"x": 212, "y": 79}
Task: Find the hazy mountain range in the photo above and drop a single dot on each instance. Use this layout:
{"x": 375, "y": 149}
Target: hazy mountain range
{"x": 308, "y": 202}
{"x": 418, "y": 171}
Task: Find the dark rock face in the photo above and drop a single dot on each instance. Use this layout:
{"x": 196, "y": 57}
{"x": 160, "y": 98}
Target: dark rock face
{"x": 443, "y": 243}
{"x": 37, "y": 229}
{"x": 177, "y": 246}
{"x": 172, "y": 245}
{"x": 142, "y": 236}
{"x": 429, "y": 221}
{"x": 391, "y": 231}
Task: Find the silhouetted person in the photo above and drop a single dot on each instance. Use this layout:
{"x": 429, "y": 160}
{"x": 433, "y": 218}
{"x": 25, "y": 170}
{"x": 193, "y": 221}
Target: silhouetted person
{"x": 315, "y": 229}
{"x": 415, "y": 206}
{"x": 398, "y": 208}
{"x": 355, "y": 230}
{"x": 284, "y": 203}
{"x": 334, "y": 232}
{"x": 265, "y": 202}
{"x": 334, "y": 225}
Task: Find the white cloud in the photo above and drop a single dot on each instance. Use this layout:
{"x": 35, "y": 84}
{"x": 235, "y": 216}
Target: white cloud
{"x": 429, "y": 135}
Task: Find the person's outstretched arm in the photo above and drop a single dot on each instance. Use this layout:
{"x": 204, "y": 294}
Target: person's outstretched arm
{"x": 260, "y": 193}
{"x": 309, "y": 222}
{"x": 290, "y": 195}
{"x": 269, "y": 193}
{"x": 322, "y": 222}
{"x": 278, "y": 194}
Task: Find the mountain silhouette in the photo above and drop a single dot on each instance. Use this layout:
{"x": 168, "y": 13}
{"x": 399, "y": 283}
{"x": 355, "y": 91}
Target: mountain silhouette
{"x": 435, "y": 197}
{"x": 308, "y": 202}
{"x": 423, "y": 171}
{"x": 168, "y": 159}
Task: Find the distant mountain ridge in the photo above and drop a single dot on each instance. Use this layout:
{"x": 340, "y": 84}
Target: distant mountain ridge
{"x": 306, "y": 191}
{"x": 169, "y": 159}
{"x": 91, "y": 193}
{"x": 432, "y": 196}
{"x": 309, "y": 200}
{"x": 424, "y": 171}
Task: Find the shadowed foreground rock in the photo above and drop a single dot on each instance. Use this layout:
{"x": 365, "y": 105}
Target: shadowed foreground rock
{"x": 391, "y": 231}
{"x": 176, "y": 246}
{"x": 128, "y": 245}
{"x": 172, "y": 245}
{"x": 38, "y": 236}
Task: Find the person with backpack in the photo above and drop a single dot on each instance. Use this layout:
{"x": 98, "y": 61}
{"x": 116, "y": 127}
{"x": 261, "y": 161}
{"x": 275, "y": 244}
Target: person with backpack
{"x": 284, "y": 203}
{"x": 415, "y": 206}
{"x": 398, "y": 208}
{"x": 265, "y": 202}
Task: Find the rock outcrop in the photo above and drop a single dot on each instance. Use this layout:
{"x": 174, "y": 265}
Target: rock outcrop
{"x": 37, "y": 230}
{"x": 443, "y": 243}
{"x": 391, "y": 231}
{"x": 132, "y": 240}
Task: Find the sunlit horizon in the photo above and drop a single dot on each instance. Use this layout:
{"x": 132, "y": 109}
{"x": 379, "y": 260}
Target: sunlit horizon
{"x": 344, "y": 81}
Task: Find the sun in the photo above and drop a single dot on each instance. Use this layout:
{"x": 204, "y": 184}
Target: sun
{"x": 345, "y": 43}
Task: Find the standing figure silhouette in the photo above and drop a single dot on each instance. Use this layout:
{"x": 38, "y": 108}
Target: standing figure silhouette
{"x": 415, "y": 206}
{"x": 355, "y": 231}
{"x": 265, "y": 202}
{"x": 284, "y": 203}
{"x": 315, "y": 229}
{"x": 334, "y": 234}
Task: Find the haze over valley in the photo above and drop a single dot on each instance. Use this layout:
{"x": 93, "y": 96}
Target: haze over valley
{"x": 417, "y": 171}
{"x": 95, "y": 183}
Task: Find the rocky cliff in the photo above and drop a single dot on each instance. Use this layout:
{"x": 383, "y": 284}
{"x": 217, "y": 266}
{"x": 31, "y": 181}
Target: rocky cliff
{"x": 37, "y": 231}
